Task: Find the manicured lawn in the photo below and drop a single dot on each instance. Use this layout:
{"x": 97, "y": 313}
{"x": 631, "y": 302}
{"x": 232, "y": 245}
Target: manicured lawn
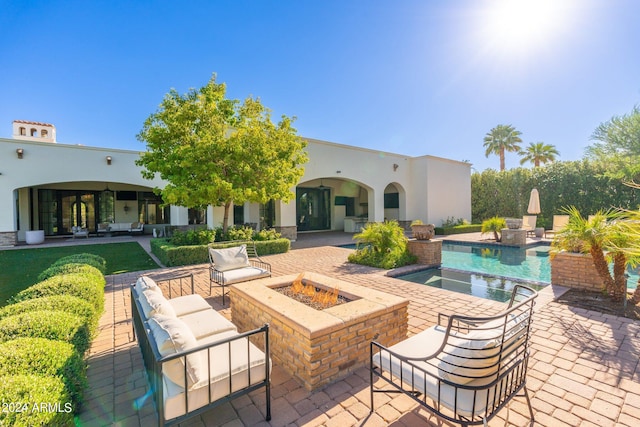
{"x": 20, "y": 268}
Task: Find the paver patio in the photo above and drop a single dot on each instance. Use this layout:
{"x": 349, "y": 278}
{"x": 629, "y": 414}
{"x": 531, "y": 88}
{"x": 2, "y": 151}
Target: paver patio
{"x": 584, "y": 365}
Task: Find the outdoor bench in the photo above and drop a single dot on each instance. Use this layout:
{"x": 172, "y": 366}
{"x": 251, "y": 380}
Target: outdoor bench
{"x": 464, "y": 369}
{"x": 195, "y": 359}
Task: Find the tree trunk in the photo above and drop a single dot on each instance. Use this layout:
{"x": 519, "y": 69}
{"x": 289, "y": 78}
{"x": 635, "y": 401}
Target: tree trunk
{"x": 225, "y": 219}
{"x": 620, "y": 280}
{"x": 602, "y": 268}
{"x": 636, "y": 295}
{"x": 502, "y": 165}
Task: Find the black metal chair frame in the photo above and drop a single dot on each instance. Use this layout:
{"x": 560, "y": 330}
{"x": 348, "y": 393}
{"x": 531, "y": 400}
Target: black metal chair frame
{"x": 508, "y": 363}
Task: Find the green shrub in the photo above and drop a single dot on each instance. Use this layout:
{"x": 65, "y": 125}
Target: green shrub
{"x": 31, "y": 392}
{"x": 78, "y": 285}
{"x": 268, "y": 234}
{"x": 235, "y": 233}
{"x": 193, "y": 237}
{"x": 71, "y": 268}
{"x": 46, "y": 357}
{"x": 84, "y": 258}
{"x": 50, "y": 324}
{"x": 458, "y": 229}
{"x": 67, "y": 303}
{"x": 382, "y": 245}
{"x": 171, "y": 255}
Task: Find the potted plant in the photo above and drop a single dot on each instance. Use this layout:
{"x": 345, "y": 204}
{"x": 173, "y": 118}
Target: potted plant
{"x": 422, "y": 231}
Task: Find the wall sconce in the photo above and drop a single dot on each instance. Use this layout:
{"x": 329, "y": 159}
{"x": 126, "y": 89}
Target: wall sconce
{"x": 395, "y": 167}
{"x": 109, "y": 159}
{"x": 126, "y": 208}
{"x": 20, "y": 153}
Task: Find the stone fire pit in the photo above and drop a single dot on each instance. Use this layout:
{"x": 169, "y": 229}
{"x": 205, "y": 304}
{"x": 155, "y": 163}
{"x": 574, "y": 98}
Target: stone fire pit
{"x": 319, "y": 346}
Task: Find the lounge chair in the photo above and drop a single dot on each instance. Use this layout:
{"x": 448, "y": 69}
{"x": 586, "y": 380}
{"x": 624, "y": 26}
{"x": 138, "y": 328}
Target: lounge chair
{"x": 559, "y": 222}
{"x": 529, "y": 224}
{"x": 465, "y": 369}
{"x": 238, "y": 262}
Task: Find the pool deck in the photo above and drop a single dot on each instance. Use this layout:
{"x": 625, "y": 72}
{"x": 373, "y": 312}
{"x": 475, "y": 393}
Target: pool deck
{"x": 583, "y": 368}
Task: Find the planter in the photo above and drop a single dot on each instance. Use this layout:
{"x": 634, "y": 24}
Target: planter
{"x": 35, "y": 237}
{"x": 423, "y": 231}
{"x": 513, "y": 223}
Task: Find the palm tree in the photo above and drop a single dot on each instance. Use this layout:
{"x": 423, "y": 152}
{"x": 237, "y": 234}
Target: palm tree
{"x": 538, "y": 152}
{"x": 494, "y": 225}
{"x": 603, "y": 237}
{"x": 500, "y": 139}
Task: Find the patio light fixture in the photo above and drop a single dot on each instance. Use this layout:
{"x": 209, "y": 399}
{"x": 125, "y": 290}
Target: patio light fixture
{"x": 109, "y": 159}
{"x": 20, "y": 153}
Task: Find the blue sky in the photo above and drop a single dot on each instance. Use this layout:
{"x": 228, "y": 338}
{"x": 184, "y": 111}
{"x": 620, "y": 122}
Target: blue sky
{"x": 412, "y": 77}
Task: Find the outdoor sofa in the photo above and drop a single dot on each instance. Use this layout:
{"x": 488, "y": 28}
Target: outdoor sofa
{"x": 120, "y": 227}
{"x": 195, "y": 359}
{"x": 465, "y": 369}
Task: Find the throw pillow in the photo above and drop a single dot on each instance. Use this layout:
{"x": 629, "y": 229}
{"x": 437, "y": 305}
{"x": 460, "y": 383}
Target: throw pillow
{"x": 230, "y": 258}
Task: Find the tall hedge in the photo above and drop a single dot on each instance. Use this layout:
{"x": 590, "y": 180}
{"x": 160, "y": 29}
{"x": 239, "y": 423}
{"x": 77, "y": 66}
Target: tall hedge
{"x": 582, "y": 184}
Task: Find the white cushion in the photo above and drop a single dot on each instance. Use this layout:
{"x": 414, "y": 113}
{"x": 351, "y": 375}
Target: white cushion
{"x": 207, "y": 322}
{"x": 146, "y": 283}
{"x": 171, "y": 336}
{"x": 189, "y": 304}
{"x": 230, "y": 258}
{"x": 218, "y": 375}
{"x": 154, "y": 303}
{"x": 230, "y": 277}
{"x": 469, "y": 357}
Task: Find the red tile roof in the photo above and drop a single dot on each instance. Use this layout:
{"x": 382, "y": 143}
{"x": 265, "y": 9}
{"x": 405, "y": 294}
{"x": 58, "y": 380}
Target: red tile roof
{"x": 26, "y": 122}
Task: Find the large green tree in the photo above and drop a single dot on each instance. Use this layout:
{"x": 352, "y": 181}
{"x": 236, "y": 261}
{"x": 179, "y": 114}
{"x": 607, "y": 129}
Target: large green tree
{"x": 500, "y": 139}
{"x": 618, "y": 144}
{"x": 538, "y": 153}
{"x": 218, "y": 151}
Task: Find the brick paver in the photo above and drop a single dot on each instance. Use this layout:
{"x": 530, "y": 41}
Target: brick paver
{"x": 583, "y": 370}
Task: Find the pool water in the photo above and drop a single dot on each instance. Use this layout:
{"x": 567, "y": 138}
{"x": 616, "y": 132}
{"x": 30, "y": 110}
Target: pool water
{"x": 479, "y": 285}
{"x": 490, "y": 271}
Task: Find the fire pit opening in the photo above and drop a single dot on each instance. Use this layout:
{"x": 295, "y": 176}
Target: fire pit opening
{"x": 313, "y": 294}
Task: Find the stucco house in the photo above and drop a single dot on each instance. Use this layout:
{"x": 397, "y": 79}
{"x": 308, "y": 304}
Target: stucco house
{"x": 49, "y": 186}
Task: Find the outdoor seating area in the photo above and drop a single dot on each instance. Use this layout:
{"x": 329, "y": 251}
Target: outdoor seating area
{"x": 581, "y": 367}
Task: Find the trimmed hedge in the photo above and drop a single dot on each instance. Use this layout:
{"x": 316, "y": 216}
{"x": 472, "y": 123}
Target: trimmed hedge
{"x": 71, "y": 268}
{"x": 171, "y": 255}
{"x": 84, "y": 258}
{"x": 50, "y": 324}
{"x": 67, "y": 303}
{"x": 459, "y": 229}
{"x": 78, "y": 285}
{"x": 42, "y": 356}
{"x": 38, "y": 401}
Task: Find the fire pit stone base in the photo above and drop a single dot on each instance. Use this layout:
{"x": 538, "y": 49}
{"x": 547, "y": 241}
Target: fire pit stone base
{"x": 319, "y": 346}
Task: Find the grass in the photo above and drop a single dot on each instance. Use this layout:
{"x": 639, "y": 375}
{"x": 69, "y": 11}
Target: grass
{"x": 20, "y": 268}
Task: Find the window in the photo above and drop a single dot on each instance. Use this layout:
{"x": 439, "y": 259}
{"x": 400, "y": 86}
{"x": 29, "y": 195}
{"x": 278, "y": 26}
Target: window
{"x": 23, "y": 131}
{"x": 197, "y": 216}
{"x": 391, "y": 200}
{"x": 44, "y": 133}
{"x": 151, "y": 209}
{"x": 238, "y": 214}
{"x": 34, "y": 132}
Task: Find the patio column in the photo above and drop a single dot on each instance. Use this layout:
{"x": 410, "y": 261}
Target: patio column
{"x": 286, "y": 219}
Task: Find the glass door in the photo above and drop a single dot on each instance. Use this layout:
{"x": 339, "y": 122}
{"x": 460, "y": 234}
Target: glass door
{"x": 313, "y": 209}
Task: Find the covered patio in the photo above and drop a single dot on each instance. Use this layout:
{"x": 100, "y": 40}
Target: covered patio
{"x": 584, "y": 365}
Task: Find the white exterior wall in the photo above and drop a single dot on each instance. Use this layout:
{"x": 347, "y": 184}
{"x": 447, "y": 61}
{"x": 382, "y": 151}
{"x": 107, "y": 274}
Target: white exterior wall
{"x": 441, "y": 189}
{"x": 44, "y": 164}
{"x": 430, "y": 188}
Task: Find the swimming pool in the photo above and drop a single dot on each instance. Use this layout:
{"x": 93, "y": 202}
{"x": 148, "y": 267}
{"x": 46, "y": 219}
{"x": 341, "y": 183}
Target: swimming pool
{"x": 491, "y": 271}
